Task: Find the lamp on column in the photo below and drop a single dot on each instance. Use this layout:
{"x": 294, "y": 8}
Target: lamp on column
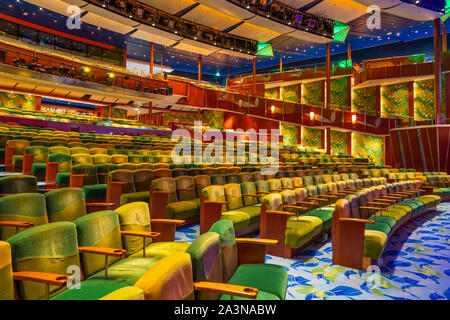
{"x": 311, "y": 116}
{"x": 353, "y": 118}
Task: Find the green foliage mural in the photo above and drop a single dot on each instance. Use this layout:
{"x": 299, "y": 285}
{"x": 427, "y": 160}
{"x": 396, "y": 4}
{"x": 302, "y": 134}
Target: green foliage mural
{"x": 211, "y": 118}
{"x": 339, "y": 99}
{"x": 424, "y": 102}
{"x": 312, "y": 93}
{"x": 338, "y": 142}
{"x": 395, "y": 101}
{"x": 365, "y": 100}
{"x": 365, "y": 146}
{"x": 290, "y": 93}
{"x": 17, "y": 100}
{"x": 289, "y": 133}
{"x": 271, "y": 93}
{"x": 311, "y": 137}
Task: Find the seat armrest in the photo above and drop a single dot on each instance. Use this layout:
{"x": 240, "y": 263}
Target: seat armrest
{"x": 295, "y": 207}
{"x": 308, "y": 203}
{"x": 225, "y": 288}
{"x": 373, "y": 208}
{"x": 265, "y": 242}
{"x": 113, "y": 252}
{"x": 186, "y": 189}
{"x": 357, "y": 220}
{"x": 142, "y": 234}
{"x": 53, "y": 279}
{"x": 17, "y": 224}
{"x": 162, "y": 192}
{"x": 263, "y": 192}
{"x": 216, "y": 202}
{"x": 284, "y": 213}
{"x": 250, "y": 195}
{"x": 168, "y": 221}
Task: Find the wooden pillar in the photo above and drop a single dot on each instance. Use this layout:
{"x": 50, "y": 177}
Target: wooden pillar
{"x": 254, "y": 76}
{"x": 444, "y": 38}
{"x": 279, "y": 93}
{"x": 299, "y": 94}
{"x": 323, "y": 134}
{"x": 328, "y": 140}
{"x": 437, "y": 70}
{"x": 349, "y": 52}
{"x": 411, "y": 100}
{"x": 38, "y": 103}
{"x": 152, "y": 56}
{"x": 349, "y": 92}
{"x": 228, "y": 77}
{"x": 378, "y": 101}
{"x": 328, "y": 78}
{"x": 281, "y": 65}
{"x": 199, "y": 69}
{"x": 150, "y": 113}
{"x": 110, "y": 109}
{"x": 349, "y": 143}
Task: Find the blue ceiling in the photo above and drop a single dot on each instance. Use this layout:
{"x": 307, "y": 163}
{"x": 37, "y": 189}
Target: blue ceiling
{"x": 393, "y": 29}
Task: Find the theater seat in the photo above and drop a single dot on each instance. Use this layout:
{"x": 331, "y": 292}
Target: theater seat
{"x": 18, "y": 184}
{"x": 6, "y": 275}
{"x": 65, "y": 204}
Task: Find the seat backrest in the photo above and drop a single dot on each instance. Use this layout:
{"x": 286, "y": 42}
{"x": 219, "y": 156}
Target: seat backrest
{"x": 257, "y": 176}
{"x": 245, "y": 177}
{"x": 297, "y": 182}
{"x": 98, "y": 229}
{"x": 185, "y": 188}
{"x": 47, "y": 248}
{"x": 249, "y": 188}
{"x": 65, "y": 204}
{"x": 81, "y": 158}
{"x": 97, "y": 150}
{"x": 59, "y": 149}
{"x": 166, "y": 184}
{"x": 308, "y": 180}
{"x": 78, "y": 150}
{"x": 40, "y": 153}
{"x": 233, "y": 196}
{"x": 142, "y": 179}
{"x": 119, "y": 158}
{"x": 134, "y": 216}
{"x": 101, "y": 158}
{"x": 206, "y": 260}
{"x": 169, "y": 279}
{"x": 88, "y": 169}
{"x": 201, "y": 181}
{"x": 318, "y": 179}
{"x": 126, "y": 176}
{"x": 286, "y": 183}
{"x": 18, "y": 184}
{"x": 225, "y": 229}
{"x": 218, "y": 179}
{"x": 6, "y": 275}
{"x": 214, "y": 193}
{"x": 273, "y": 202}
{"x": 275, "y": 185}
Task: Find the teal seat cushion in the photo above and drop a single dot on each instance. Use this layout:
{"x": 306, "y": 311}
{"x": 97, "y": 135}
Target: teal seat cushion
{"x": 143, "y": 196}
{"x": 127, "y": 270}
{"x": 416, "y": 205}
{"x": 182, "y": 209}
{"x": 38, "y": 168}
{"x": 91, "y": 290}
{"x": 160, "y": 250}
{"x": 63, "y": 178}
{"x": 95, "y": 191}
{"x": 379, "y": 226}
{"x": 391, "y": 222}
{"x": 255, "y": 276}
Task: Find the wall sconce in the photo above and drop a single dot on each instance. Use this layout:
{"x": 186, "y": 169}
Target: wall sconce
{"x": 272, "y": 108}
{"x": 353, "y": 118}
{"x": 311, "y": 115}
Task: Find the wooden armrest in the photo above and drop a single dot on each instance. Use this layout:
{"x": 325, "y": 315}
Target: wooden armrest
{"x": 295, "y": 207}
{"x": 267, "y": 242}
{"x": 263, "y": 192}
{"x": 391, "y": 197}
{"x": 357, "y": 220}
{"x": 142, "y": 234}
{"x": 307, "y": 203}
{"x": 17, "y": 224}
{"x": 376, "y": 203}
{"x": 42, "y": 277}
{"x": 6, "y": 194}
{"x": 318, "y": 199}
{"x": 225, "y": 288}
{"x": 186, "y": 189}
{"x": 103, "y": 251}
{"x": 168, "y": 221}
{"x": 200, "y": 186}
{"x": 216, "y": 202}
{"x": 118, "y": 182}
{"x": 100, "y": 204}
{"x": 79, "y": 175}
{"x": 327, "y": 196}
{"x": 372, "y": 208}
{"x": 284, "y": 213}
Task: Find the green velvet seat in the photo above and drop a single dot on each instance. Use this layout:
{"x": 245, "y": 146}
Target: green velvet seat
{"x": 271, "y": 280}
{"x": 18, "y": 184}
{"x": 429, "y": 201}
{"x": 39, "y": 160}
{"x": 95, "y": 191}
{"x": 6, "y": 277}
{"x": 53, "y": 248}
{"x": 443, "y": 193}
{"x": 65, "y": 204}
{"x": 23, "y": 207}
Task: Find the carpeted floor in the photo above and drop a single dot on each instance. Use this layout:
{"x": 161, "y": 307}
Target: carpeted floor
{"x": 416, "y": 266}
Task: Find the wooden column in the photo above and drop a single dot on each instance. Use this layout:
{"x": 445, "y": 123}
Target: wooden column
{"x": 447, "y": 97}
{"x": 199, "y": 115}
{"x": 328, "y": 78}
{"x": 228, "y": 77}
{"x": 349, "y": 52}
{"x": 378, "y": 101}
{"x": 444, "y": 38}
{"x": 152, "y": 56}
{"x": 328, "y": 140}
{"x": 437, "y": 70}
{"x": 411, "y": 100}
{"x": 349, "y": 92}
{"x": 199, "y": 69}
{"x": 38, "y": 103}
{"x": 110, "y": 109}
{"x": 349, "y": 143}
{"x": 150, "y": 113}
{"x": 299, "y": 94}
{"x": 281, "y": 65}
{"x": 254, "y": 76}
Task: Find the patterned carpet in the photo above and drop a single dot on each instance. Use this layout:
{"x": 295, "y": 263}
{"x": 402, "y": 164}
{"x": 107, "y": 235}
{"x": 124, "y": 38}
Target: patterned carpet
{"x": 416, "y": 266}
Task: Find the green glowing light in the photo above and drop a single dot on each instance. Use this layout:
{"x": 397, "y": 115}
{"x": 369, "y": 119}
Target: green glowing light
{"x": 341, "y": 31}
{"x": 264, "y": 49}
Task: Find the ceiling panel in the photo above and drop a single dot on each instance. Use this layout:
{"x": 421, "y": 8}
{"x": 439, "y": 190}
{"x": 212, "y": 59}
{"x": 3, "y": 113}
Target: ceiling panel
{"x": 110, "y": 15}
{"x": 170, "y": 6}
{"x": 227, "y": 8}
{"x": 251, "y": 31}
{"x": 155, "y": 38}
{"x": 106, "y": 23}
{"x": 310, "y": 37}
{"x": 197, "y": 47}
{"x": 381, "y": 3}
{"x": 413, "y": 12}
{"x": 340, "y": 10}
{"x": 76, "y": 2}
{"x": 209, "y": 17}
{"x": 270, "y": 24}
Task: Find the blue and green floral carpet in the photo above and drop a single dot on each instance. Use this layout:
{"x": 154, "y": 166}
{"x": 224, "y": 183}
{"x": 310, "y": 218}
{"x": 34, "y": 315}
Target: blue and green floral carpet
{"x": 416, "y": 266}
